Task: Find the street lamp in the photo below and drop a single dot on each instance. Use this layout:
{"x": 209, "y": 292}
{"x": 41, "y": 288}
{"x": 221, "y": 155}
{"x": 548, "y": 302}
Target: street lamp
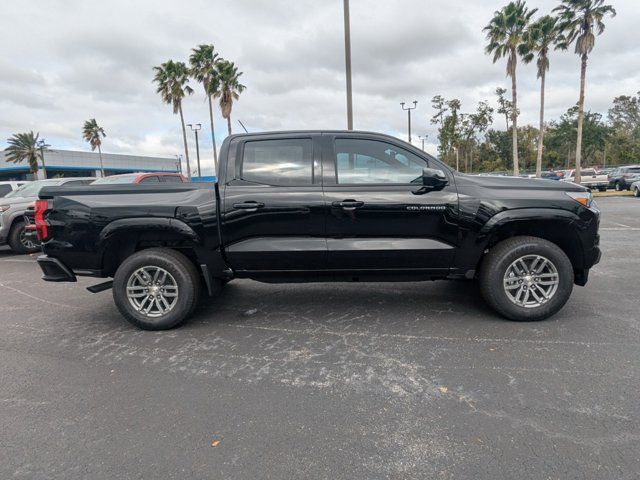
{"x": 423, "y": 139}
{"x": 195, "y": 128}
{"x": 347, "y": 61}
{"x": 41, "y": 145}
{"x": 408, "y": 109}
{"x": 457, "y": 159}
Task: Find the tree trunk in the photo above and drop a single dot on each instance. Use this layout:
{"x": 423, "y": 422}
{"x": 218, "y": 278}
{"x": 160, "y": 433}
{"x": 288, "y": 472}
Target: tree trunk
{"x": 213, "y": 137}
{"x": 184, "y": 138}
{"x": 541, "y": 133}
{"x": 101, "y": 164}
{"x": 514, "y": 122}
{"x": 229, "y": 123}
{"x": 583, "y": 74}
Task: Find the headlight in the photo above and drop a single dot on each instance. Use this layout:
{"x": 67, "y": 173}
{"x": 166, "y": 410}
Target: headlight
{"x": 583, "y": 198}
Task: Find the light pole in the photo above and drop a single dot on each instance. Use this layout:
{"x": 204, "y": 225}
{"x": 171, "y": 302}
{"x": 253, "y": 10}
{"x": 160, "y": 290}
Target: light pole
{"x": 41, "y": 144}
{"x": 423, "y": 139}
{"x": 195, "y": 128}
{"x": 457, "y": 159}
{"x": 347, "y": 61}
{"x": 408, "y": 109}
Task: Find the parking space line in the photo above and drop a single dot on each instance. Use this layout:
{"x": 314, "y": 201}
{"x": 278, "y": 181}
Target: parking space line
{"x": 18, "y": 260}
{"x": 619, "y": 229}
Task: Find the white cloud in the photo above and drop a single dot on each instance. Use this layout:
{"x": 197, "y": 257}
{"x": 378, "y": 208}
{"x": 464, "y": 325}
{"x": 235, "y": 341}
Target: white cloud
{"x": 66, "y": 61}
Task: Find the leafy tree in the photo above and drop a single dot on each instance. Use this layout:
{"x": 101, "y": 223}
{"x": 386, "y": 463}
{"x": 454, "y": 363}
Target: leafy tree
{"x": 581, "y": 21}
{"x": 504, "y": 105}
{"x": 94, "y": 133}
{"x": 504, "y": 35}
{"x": 541, "y": 36}
{"x": 230, "y": 88}
{"x": 203, "y": 62}
{"x": 172, "y": 80}
{"x": 625, "y": 113}
{"x": 27, "y": 147}
{"x": 438, "y": 103}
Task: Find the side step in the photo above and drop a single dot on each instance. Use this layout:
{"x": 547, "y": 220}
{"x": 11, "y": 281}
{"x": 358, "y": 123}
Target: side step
{"x": 101, "y": 287}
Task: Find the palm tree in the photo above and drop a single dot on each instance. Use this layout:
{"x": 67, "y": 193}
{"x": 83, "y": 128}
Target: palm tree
{"x": 172, "y": 79}
{"x": 539, "y": 38}
{"x": 94, "y": 133}
{"x": 581, "y": 21}
{"x": 504, "y": 34}
{"x": 27, "y": 146}
{"x": 229, "y": 89}
{"x": 203, "y": 62}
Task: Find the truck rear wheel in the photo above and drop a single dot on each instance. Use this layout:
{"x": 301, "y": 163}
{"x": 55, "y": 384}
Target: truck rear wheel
{"x": 156, "y": 289}
{"x": 526, "y": 278}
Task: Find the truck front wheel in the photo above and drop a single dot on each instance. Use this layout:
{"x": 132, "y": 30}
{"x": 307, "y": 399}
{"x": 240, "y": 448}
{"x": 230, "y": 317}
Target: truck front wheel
{"x": 526, "y": 278}
{"x": 156, "y": 289}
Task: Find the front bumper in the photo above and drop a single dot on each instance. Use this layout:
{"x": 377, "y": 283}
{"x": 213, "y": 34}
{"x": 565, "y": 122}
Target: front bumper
{"x": 54, "y": 270}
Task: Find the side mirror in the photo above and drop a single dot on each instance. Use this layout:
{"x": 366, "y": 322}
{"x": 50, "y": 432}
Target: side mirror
{"x": 432, "y": 179}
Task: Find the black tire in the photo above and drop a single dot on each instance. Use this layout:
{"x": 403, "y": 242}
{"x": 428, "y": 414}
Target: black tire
{"x": 17, "y": 242}
{"x": 494, "y": 268}
{"x": 618, "y": 187}
{"x": 636, "y": 191}
{"x": 602, "y": 189}
{"x": 183, "y": 272}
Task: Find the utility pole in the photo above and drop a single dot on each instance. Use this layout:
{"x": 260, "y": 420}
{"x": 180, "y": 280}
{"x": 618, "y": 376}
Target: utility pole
{"x": 195, "y": 129}
{"x": 457, "y": 159}
{"x": 408, "y": 109}
{"x": 347, "y": 61}
{"x": 41, "y": 144}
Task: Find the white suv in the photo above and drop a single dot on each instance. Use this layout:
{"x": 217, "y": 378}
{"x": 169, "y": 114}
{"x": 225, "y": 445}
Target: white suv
{"x": 8, "y": 187}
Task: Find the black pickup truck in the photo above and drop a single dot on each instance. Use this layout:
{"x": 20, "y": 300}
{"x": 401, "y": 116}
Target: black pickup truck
{"x": 321, "y": 206}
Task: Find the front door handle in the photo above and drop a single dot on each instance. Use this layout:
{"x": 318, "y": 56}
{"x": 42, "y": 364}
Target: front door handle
{"x": 348, "y": 204}
{"x": 248, "y": 205}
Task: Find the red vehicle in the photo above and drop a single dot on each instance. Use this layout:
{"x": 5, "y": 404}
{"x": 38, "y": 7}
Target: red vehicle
{"x": 157, "y": 177}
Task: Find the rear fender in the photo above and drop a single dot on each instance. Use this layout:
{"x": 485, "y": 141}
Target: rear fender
{"x": 120, "y": 238}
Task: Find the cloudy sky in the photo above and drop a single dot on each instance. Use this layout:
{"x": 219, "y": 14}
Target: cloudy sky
{"x": 62, "y": 62}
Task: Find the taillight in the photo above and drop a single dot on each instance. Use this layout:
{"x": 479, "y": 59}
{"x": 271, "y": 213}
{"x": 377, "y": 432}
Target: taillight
{"x": 42, "y": 231}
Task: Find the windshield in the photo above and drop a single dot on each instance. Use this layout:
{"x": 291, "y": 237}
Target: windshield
{"x": 33, "y": 189}
{"x": 116, "y": 179}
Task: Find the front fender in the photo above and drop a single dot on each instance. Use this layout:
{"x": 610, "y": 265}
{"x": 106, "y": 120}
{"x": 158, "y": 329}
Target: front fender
{"x": 526, "y": 215}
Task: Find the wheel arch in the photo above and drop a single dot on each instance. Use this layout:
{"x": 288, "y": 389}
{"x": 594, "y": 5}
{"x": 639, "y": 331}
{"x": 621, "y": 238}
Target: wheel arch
{"x": 121, "y": 238}
{"x": 560, "y": 227}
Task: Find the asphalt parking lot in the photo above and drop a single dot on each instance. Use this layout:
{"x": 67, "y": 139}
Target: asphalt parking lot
{"x": 415, "y": 380}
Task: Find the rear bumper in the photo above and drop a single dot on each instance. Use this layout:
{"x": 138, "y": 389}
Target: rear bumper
{"x": 54, "y": 270}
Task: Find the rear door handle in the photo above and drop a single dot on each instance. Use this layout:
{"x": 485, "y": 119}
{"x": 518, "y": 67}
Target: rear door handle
{"x": 248, "y": 205}
{"x": 348, "y": 204}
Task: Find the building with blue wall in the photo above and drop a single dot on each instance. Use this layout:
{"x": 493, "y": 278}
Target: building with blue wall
{"x": 68, "y": 163}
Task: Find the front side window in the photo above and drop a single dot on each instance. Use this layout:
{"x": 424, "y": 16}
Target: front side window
{"x": 278, "y": 162}
{"x": 152, "y": 179}
{"x": 361, "y": 161}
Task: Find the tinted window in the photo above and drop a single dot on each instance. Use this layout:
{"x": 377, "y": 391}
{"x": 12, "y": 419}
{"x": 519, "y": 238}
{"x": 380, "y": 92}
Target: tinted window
{"x": 372, "y": 161}
{"x": 78, "y": 182}
{"x": 150, "y": 180}
{"x": 4, "y": 189}
{"x": 278, "y": 162}
{"x": 171, "y": 179}
{"x": 634, "y": 170}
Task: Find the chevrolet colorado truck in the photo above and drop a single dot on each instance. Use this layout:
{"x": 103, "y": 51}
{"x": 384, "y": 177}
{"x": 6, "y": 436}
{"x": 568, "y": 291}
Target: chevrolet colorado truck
{"x": 321, "y": 206}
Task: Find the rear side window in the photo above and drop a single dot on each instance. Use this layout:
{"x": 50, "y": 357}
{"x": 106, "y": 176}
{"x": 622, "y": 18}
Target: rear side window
{"x": 171, "y": 179}
{"x": 4, "y": 189}
{"x": 283, "y": 162}
{"x": 634, "y": 170}
{"x": 153, "y": 179}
